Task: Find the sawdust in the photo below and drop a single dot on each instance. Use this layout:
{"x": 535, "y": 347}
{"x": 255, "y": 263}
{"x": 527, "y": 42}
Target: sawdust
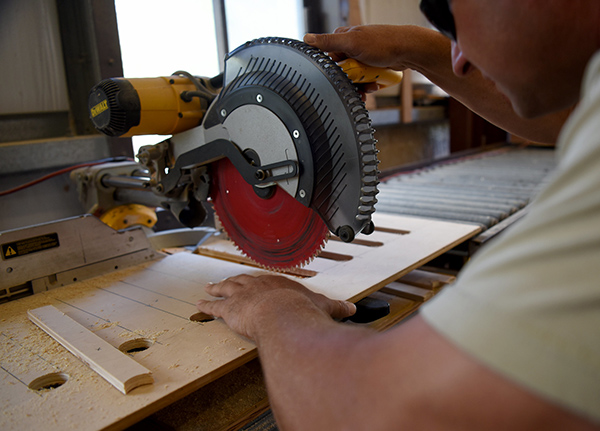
{"x": 29, "y": 352}
{"x": 105, "y": 326}
{"x": 131, "y": 334}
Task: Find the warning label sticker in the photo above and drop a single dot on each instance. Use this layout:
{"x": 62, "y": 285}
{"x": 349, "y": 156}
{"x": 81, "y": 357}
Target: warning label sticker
{"x": 29, "y": 245}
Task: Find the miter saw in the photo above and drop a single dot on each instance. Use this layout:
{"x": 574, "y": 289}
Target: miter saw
{"x": 281, "y": 145}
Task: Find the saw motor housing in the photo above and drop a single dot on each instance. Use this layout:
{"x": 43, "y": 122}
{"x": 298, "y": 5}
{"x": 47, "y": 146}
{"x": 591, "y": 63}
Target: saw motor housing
{"x": 164, "y": 105}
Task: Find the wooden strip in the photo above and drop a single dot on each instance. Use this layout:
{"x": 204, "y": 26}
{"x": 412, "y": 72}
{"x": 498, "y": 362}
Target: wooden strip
{"x": 407, "y": 291}
{"x": 427, "y": 279}
{"x": 118, "y": 369}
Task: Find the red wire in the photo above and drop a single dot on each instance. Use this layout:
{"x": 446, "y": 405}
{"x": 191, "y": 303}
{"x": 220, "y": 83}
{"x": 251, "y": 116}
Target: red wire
{"x": 48, "y": 176}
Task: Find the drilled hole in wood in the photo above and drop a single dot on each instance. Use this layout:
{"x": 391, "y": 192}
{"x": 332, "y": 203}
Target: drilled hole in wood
{"x": 135, "y": 345}
{"x": 48, "y": 381}
{"x": 201, "y": 317}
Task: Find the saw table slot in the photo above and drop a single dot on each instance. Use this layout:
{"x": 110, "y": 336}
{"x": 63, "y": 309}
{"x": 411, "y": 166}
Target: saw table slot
{"x": 391, "y": 230}
{"x": 338, "y": 257}
{"x": 360, "y": 241}
{"x": 225, "y": 250}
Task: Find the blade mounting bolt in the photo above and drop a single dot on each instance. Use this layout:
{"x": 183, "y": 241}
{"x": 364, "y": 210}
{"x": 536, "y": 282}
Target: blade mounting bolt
{"x": 296, "y": 134}
{"x": 302, "y": 193}
{"x": 260, "y": 174}
{"x": 259, "y": 98}
{"x": 223, "y": 113}
{"x": 346, "y": 233}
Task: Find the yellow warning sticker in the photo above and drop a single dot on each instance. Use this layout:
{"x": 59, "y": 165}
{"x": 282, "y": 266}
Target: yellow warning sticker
{"x": 22, "y": 247}
{"x": 99, "y": 108}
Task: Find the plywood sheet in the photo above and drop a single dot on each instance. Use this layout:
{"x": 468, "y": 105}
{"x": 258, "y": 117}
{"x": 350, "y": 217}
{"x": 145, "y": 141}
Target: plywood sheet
{"x": 152, "y": 305}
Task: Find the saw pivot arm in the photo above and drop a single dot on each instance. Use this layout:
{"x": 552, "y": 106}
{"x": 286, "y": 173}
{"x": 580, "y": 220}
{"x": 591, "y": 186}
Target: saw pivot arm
{"x": 253, "y": 174}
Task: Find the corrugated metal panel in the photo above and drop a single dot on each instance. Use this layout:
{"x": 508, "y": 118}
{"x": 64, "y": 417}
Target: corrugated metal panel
{"x": 482, "y": 189}
{"x": 32, "y": 73}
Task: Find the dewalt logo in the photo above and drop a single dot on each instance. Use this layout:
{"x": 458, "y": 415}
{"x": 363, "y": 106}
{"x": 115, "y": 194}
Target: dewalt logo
{"x": 99, "y": 108}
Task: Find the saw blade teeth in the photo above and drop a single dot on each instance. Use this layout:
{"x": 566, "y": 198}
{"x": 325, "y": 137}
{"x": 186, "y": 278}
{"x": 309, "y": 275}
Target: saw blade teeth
{"x": 282, "y": 269}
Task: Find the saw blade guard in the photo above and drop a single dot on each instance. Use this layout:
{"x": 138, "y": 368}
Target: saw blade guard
{"x": 326, "y": 118}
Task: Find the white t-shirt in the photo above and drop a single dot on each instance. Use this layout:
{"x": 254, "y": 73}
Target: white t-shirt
{"x": 528, "y": 304}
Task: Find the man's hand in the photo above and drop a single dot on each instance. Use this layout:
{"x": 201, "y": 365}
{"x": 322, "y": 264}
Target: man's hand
{"x": 374, "y": 45}
{"x": 250, "y": 303}
{"x": 389, "y": 46}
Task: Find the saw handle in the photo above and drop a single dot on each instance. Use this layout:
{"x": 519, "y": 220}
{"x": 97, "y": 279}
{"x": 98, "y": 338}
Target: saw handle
{"x": 360, "y": 73}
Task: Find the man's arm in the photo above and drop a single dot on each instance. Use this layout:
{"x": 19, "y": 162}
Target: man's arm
{"x": 428, "y": 52}
{"x": 324, "y": 375}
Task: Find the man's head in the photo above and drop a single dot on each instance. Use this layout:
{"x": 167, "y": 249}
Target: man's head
{"x": 534, "y": 50}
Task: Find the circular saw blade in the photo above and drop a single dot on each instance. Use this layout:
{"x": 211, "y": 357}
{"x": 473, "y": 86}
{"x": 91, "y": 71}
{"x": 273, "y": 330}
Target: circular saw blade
{"x": 323, "y": 112}
{"x": 275, "y": 230}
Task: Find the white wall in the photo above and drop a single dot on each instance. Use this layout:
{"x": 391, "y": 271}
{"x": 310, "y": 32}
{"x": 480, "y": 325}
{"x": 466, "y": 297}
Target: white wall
{"x": 392, "y": 12}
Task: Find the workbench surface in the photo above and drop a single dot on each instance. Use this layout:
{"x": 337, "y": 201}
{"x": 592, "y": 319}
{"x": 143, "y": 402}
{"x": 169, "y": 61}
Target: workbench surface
{"x": 151, "y": 307}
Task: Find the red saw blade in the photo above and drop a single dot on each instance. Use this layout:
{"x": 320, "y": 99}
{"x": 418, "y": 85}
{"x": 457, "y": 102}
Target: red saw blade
{"x": 276, "y": 232}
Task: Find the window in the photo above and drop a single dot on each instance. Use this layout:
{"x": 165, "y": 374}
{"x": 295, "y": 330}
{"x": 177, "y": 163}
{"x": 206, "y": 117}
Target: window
{"x": 159, "y": 37}
{"x": 247, "y": 20}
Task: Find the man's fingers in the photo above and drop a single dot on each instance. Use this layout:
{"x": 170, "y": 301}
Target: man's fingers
{"x": 209, "y": 307}
{"x": 214, "y": 289}
{"x": 336, "y": 308}
{"x": 342, "y": 309}
{"x": 326, "y": 41}
{"x": 338, "y": 45}
{"x": 247, "y": 288}
{"x": 224, "y": 288}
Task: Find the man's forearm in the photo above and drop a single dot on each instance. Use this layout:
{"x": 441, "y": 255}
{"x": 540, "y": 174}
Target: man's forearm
{"x": 309, "y": 362}
{"x": 322, "y": 375}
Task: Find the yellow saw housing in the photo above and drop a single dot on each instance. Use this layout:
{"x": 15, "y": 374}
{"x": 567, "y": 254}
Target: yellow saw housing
{"x": 145, "y": 106}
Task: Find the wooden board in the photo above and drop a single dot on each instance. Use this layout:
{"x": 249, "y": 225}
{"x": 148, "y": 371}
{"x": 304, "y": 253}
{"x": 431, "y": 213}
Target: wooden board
{"x": 152, "y": 306}
{"x": 113, "y": 365}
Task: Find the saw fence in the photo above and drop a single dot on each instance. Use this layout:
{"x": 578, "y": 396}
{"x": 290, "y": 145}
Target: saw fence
{"x": 148, "y": 312}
